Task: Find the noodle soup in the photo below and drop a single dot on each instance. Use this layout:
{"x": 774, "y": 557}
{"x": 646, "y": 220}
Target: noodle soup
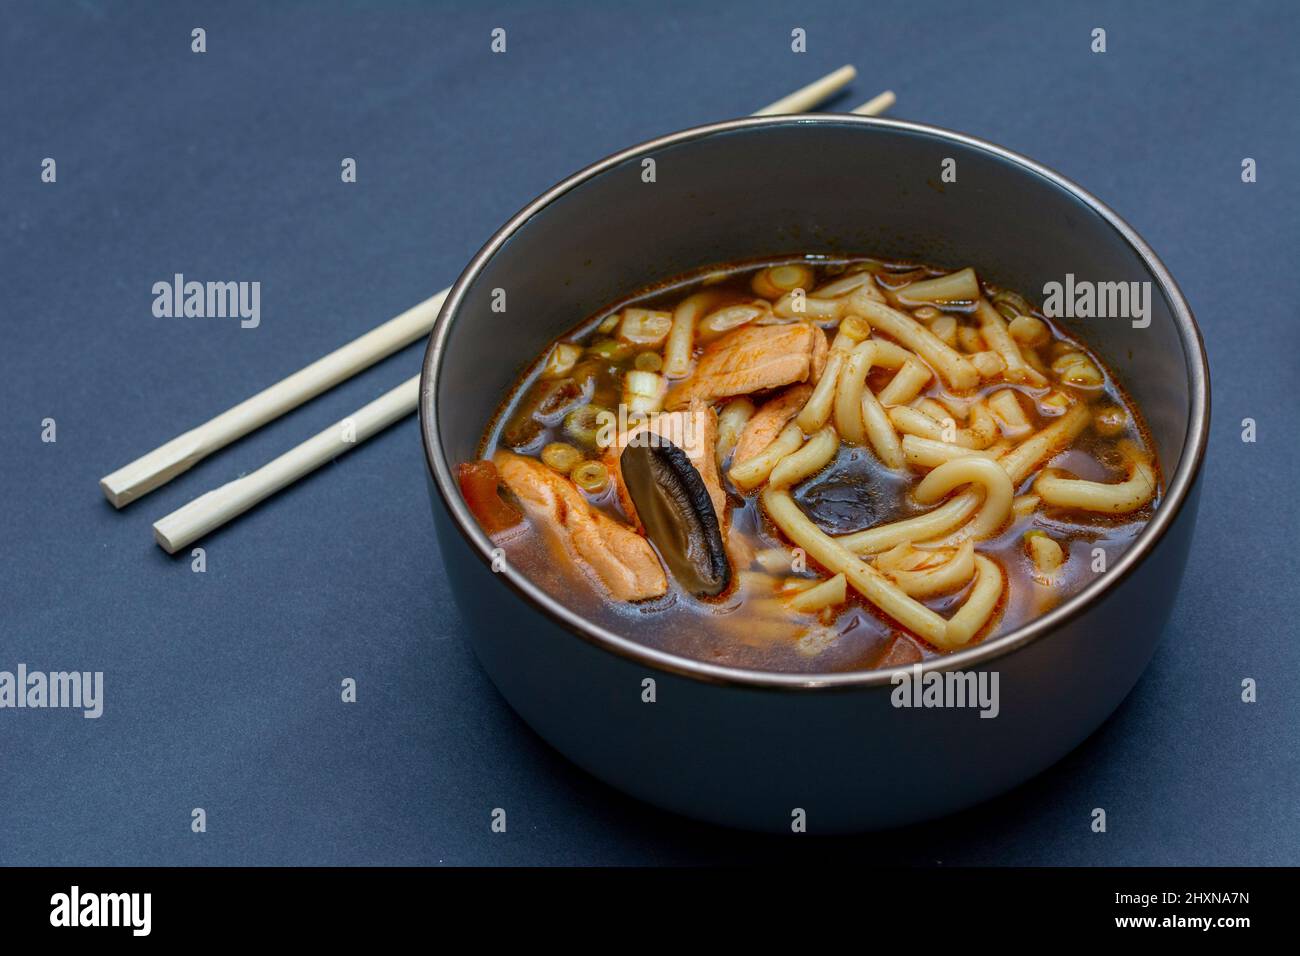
{"x": 815, "y": 465}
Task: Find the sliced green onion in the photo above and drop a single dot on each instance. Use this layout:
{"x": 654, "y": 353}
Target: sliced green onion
{"x": 561, "y": 457}
{"x": 649, "y": 362}
{"x": 591, "y": 476}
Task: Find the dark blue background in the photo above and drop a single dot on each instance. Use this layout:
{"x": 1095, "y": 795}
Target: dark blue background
{"x": 223, "y": 688}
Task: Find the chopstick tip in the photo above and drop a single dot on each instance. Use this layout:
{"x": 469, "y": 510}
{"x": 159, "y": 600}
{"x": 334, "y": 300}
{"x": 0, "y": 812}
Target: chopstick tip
{"x": 163, "y": 540}
{"x": 877, "y": 104}
{"x": 115, "y": 498}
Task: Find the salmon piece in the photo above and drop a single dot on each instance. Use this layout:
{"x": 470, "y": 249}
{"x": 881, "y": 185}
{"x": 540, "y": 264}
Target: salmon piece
{"x": 610, "y": 551}
{"x": 479, "y": 483}
{"x": 621, "y": 558}
{"x": 740, "y": 549}
{"x": 761, "y": 429}
{"x": 820, "y": 353}
{"x": 694, "y": 431}
{"x": 752, "y": 358}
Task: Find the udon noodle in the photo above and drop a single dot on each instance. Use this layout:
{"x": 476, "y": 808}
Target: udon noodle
{"x": 815, "y": 464}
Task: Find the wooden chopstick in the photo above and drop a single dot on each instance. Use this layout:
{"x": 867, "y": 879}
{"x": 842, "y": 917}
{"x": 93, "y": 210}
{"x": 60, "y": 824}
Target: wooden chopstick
{"x": 210, "y": 511}
{"x": 816, "y": 92}
{"x": 184, "y": 451}
{"x": 877, "y": 104}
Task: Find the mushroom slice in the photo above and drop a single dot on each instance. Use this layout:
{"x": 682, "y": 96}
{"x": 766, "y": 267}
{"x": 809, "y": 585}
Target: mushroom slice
{"x": 677, "y": 513}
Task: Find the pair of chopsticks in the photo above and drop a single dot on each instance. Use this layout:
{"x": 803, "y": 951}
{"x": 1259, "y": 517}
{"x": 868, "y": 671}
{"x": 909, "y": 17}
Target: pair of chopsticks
{"x": 210, "y": 511}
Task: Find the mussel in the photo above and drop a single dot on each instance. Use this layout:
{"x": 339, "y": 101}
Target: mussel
{"x": 852, "y": 494}
{"x": 677, "y": 513}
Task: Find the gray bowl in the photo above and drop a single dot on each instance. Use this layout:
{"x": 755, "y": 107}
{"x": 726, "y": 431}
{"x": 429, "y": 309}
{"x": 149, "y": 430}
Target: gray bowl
{"x": 757, "y": 749}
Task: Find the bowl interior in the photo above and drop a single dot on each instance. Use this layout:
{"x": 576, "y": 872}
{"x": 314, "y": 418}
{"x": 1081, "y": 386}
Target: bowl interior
{"x": 834, "y": 185}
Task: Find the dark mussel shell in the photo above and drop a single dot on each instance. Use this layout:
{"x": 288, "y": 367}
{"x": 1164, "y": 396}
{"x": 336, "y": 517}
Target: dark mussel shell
{"x": 678, "y": 515}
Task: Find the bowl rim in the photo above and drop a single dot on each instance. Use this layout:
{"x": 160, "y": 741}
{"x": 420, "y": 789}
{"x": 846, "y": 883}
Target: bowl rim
{"x": 1177, "y": 491}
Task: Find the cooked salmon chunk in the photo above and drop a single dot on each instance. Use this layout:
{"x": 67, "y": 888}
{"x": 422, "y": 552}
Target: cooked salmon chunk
{"x": 613, "y": 553}
{"x": 820, "y": 353}
{"x": 694, "y": 431}
{"x": 761, "y": 430}
{"x": 747, "y": 360}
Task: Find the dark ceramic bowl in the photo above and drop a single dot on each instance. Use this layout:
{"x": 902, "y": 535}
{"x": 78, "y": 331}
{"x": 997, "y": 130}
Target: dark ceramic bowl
{"x": 750, "y": 748}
